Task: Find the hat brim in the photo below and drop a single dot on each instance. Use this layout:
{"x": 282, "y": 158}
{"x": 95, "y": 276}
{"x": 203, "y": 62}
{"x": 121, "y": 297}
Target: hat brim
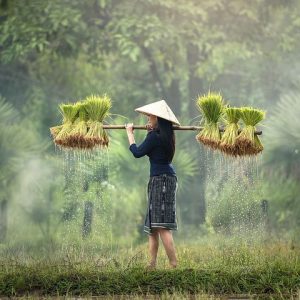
{"x": 159, "y": 109}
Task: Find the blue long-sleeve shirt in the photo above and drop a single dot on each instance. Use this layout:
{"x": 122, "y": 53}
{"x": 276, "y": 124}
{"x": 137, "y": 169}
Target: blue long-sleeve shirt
{"x": 152, "y": 147}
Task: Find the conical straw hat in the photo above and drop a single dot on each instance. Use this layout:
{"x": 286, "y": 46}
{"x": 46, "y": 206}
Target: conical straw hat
{"x": 160, "y": 109}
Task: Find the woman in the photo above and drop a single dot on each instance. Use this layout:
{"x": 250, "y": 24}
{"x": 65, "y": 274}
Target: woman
{"x": 159, "y": 145}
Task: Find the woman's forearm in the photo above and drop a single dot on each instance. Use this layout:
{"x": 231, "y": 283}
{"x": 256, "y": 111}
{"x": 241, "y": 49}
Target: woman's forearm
{"x": 130, "y": 138}
{"x": 130, "y": 135}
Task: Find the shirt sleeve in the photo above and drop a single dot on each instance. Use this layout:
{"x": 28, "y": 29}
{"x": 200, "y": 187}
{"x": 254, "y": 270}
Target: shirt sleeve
{"x": 145, "y": 147}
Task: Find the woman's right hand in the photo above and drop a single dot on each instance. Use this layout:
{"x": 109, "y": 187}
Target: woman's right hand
{"x": 129, "y": 127}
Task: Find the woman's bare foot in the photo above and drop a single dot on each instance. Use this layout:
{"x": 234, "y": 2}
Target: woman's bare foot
{"x": 151, "y": 267}
{"x": 172, "y": 265}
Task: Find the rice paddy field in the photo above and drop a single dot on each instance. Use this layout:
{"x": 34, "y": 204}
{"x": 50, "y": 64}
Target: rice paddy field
{"x": 219, "y": 269}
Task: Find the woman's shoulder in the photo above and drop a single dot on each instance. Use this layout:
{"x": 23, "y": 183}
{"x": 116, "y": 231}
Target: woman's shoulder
{"x": 153, "y": 134}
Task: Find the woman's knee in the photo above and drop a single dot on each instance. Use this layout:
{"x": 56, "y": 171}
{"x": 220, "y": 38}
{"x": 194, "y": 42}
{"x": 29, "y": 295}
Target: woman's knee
{"x": 154, "y": 232}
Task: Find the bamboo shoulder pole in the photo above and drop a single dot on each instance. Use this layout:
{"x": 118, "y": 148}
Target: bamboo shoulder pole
{"x": 175, "y": 127}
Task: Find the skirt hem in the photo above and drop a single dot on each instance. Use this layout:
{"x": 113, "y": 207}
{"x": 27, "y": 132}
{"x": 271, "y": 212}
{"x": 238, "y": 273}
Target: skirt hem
{"x": 170, "y": 227}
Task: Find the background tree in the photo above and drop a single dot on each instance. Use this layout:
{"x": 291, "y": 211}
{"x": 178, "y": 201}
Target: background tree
{"x": 16, "y": 145}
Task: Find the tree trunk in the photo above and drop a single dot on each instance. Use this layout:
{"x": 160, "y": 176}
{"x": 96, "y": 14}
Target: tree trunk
{"x": 87, "y": 218}
{"x": 195, "y": 84}
{"x": 3, "y": 220}
{"x": 4, "y": 4}
{"x": 88, "y": 212}
{"x": 71, "y": 206}
{"x": 155, "y": 73}
{"x": 174, "y": 97}
{"x": 264, "y": 204}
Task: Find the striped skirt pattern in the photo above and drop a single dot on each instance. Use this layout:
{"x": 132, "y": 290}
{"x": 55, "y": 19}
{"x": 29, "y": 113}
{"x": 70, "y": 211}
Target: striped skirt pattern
{"x": 161, "y": 210}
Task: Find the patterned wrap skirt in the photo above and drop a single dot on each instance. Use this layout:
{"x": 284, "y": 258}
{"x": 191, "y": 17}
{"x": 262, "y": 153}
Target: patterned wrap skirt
{"x": 161, "y": 210}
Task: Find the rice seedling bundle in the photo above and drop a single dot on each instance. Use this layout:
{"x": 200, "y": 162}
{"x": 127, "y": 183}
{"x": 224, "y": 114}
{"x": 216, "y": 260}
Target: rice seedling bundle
{"x": 97, "y": 109}
{"x": 247, "y": 141}
{"x": 55, "y": 130}
{"x": 77, "y": 135}
{"x": 70, "y": 113}
{"x": 212, "y": 107}
{"x": 228, "y": 141}
{"x": 83, "y": 123}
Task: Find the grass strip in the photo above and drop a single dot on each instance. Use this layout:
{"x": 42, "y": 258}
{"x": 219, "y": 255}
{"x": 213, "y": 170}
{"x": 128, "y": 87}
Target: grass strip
{"x": 53, "y": 280}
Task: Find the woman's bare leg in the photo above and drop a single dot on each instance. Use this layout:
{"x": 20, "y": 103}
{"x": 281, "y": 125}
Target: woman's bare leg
{"x": 153, "y": 247}
{"x": 167, "y": 239}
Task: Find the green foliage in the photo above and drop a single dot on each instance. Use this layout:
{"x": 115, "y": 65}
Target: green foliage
{"x": 282, "y": 136}
{"x": 7, "y": 112}
{"x": 55, "y": 29}
{"x": 186, "y": 167}
{"x": 46, "y": 197}
{"x": 283, "y": 195}
{"x": 16, "y": 145}
{"x": 281, "y": 160}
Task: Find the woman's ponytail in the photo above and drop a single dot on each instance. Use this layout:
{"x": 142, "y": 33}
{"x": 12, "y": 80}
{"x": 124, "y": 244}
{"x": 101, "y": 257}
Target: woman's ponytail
{"x": 167, "y": 136}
